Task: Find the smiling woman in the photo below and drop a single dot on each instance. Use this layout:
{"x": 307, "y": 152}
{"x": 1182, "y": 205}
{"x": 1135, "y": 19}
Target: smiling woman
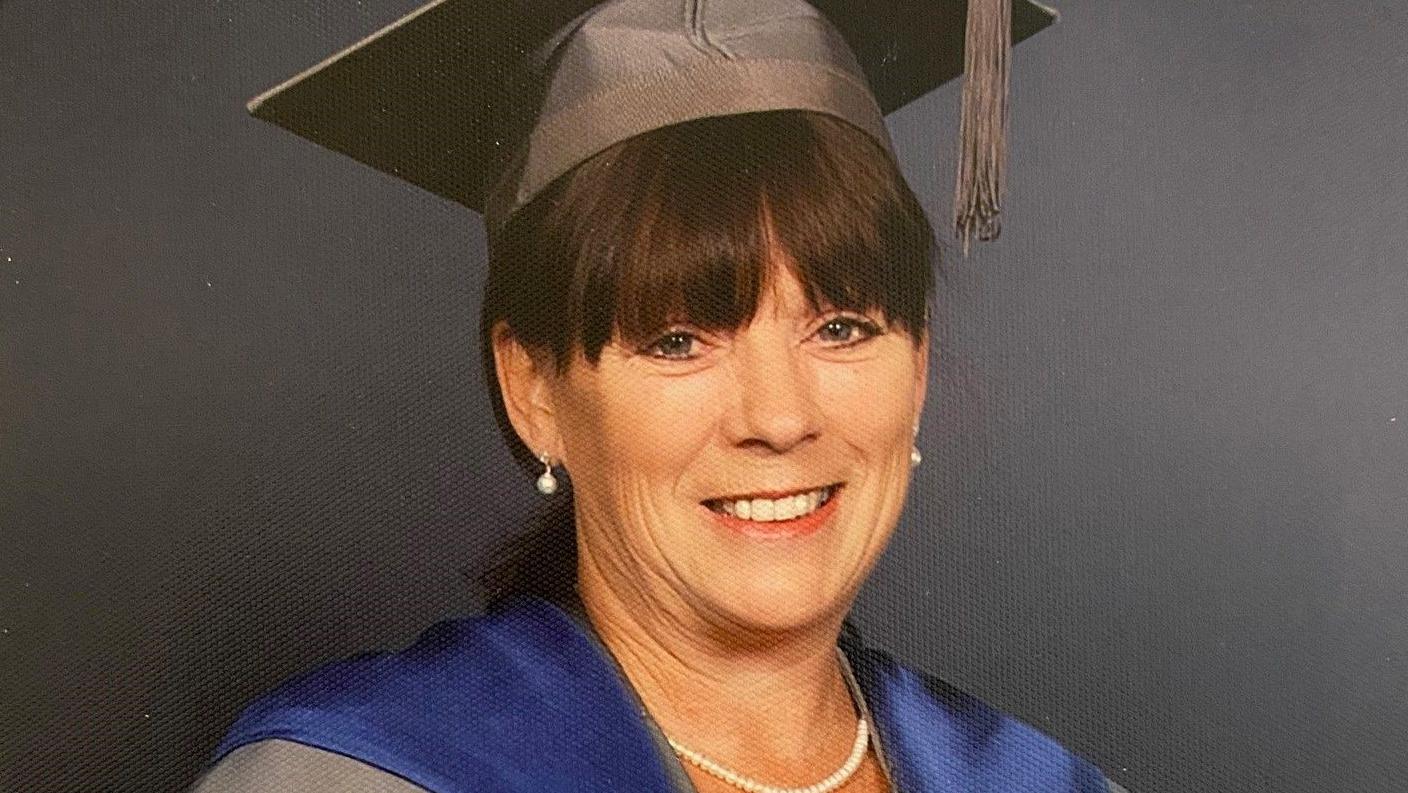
{"x": 707, "y": 305}
{"x": 798, "y": 210}
{"x": 752, "y": 242}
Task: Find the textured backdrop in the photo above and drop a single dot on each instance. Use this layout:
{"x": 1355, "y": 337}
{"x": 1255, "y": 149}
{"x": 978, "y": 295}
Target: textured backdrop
{"x": 1162, "y": 512}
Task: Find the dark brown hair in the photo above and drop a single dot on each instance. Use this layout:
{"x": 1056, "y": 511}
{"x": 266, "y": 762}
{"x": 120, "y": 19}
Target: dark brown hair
{"x": 672, "y": 226}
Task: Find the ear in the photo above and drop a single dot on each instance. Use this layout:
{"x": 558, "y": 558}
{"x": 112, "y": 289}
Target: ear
{"x": 526, "y": 383}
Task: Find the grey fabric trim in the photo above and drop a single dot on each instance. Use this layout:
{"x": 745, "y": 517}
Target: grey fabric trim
{"x": 674, "y": 769}
{"x": 859, "y": 697}
{"x": 564, "y": 139}
{"x": 289, "y": 767}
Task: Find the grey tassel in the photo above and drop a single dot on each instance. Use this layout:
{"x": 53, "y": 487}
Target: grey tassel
{"x": 987, "y": 51}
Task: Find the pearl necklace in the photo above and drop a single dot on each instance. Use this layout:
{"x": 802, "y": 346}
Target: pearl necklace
{"x": 826, "y": 785}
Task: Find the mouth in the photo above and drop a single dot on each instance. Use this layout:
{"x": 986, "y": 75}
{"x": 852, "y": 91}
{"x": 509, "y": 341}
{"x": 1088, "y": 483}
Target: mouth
{"x": 775, "y": 514}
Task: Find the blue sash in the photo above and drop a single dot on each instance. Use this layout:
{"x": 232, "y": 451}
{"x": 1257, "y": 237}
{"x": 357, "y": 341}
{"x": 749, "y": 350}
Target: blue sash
{"x": 520, "y": 699}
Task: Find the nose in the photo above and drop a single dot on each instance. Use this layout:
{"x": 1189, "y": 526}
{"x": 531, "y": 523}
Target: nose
{"x": 775, "y": 401}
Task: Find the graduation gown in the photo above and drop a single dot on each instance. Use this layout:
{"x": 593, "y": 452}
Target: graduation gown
{"x": 526, "y": 699}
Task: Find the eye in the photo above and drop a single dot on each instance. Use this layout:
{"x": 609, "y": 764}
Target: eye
{"x": 851, "y": 330}
{"x": 672, "y": 346}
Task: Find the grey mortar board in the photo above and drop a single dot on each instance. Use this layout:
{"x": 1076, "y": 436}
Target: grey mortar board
{"x": 487, "y": 102}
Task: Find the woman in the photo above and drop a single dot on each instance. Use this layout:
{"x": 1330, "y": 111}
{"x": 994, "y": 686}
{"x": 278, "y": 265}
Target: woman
{"x": 708, "y": 305}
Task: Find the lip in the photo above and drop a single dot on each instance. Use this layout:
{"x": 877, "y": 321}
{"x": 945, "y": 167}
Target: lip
{"x": 773, "y": 493}
{"x": 779, "y": 529}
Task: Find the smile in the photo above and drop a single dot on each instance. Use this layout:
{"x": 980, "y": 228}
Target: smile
{"x": 760, "y": 509}
{"x": 791, "y": 515}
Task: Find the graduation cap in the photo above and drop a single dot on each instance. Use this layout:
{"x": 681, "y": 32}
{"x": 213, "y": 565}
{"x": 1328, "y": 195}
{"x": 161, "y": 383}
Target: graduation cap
{"x": 486, "y": 102}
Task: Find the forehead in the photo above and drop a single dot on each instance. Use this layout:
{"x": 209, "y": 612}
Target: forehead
{"x": 782, "y": 290}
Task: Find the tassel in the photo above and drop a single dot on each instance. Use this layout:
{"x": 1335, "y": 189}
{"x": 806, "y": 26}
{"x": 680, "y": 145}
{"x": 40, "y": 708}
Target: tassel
{"x": 987, "y": 51}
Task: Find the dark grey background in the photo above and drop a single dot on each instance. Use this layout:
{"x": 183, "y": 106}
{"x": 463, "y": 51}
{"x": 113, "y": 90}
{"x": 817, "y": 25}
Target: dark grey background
{"x": 1162, "y": 513}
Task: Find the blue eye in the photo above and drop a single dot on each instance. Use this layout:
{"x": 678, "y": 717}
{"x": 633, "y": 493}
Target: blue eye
{"x": 675, "y": 340}
{"x": 677, "y": 345}
{"x": 865, "y": 326}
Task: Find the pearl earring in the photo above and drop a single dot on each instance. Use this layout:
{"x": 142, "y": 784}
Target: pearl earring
{"x": 547, "y": 483}
{"x": 915, "y": 458}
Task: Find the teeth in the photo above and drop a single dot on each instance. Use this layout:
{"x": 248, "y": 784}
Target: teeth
{"x": 787, "y": 509}
{"x": 769, "y": 509}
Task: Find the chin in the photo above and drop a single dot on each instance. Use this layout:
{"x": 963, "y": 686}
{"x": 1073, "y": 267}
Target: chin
{"x": 777, "y": 604}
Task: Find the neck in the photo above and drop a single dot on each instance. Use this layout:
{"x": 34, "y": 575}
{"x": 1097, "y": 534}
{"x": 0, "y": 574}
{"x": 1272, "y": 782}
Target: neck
{"x": 776, "y": 706}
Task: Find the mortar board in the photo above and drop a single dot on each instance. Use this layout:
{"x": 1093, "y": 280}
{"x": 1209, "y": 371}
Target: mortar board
{"x": 486, "y": 102}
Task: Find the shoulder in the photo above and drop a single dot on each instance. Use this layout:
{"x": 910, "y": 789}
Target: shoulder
{"x": 346, "y": 693}
{"x": 275, "y": 764}
{"x": 523, "y": 680}
{"x": 477, "y": 657}
{"x": 943, "y": 731}
{"x": 388, "y": 709}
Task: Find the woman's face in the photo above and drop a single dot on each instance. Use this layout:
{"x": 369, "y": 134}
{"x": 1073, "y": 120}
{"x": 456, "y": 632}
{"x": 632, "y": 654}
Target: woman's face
{"x": 790, "y": 403}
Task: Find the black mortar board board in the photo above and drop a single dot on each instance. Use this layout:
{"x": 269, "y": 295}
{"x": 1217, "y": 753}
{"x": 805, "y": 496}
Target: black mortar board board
{"x": 439, "y": 98}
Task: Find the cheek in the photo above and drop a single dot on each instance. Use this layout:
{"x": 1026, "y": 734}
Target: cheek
{"x": 652, "y": 427}
{"x": 871, "y": 404}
